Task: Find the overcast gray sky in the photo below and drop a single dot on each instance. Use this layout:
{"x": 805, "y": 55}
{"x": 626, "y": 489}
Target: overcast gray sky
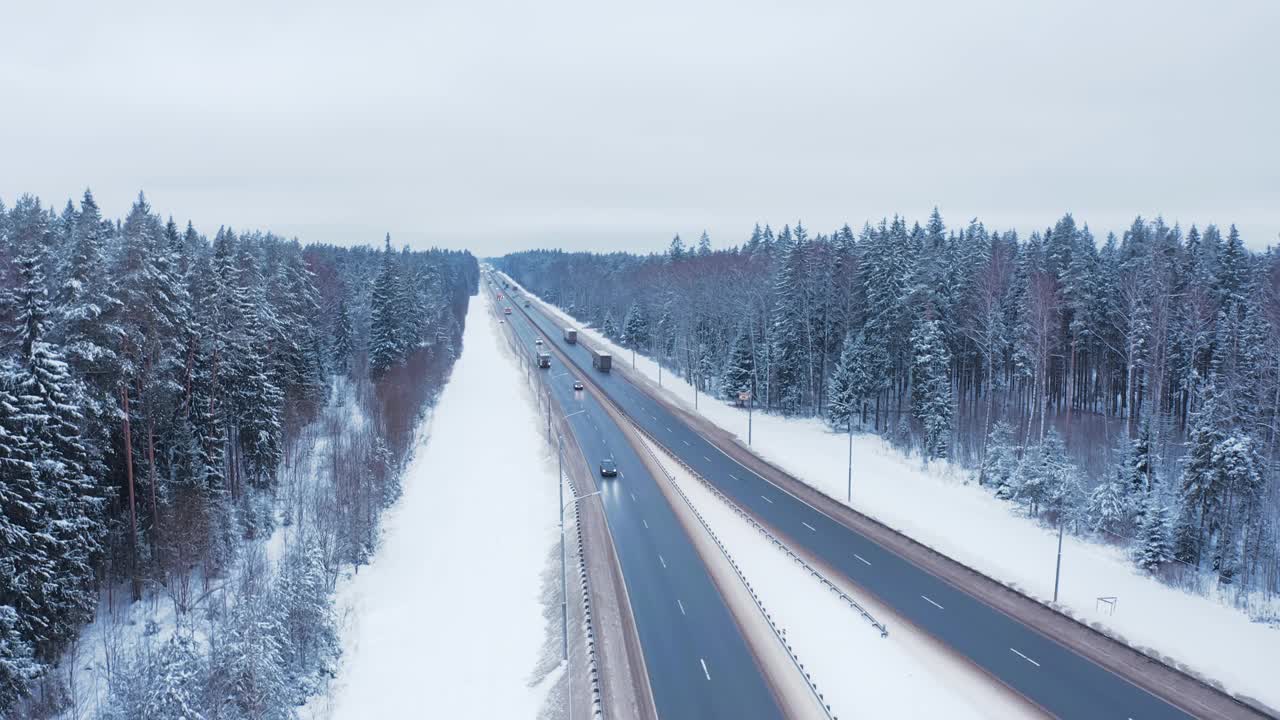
{"x": 594, "y": 124}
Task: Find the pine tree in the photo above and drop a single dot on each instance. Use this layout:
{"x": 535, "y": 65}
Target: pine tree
{"x": 1109, "y": 508}
{"x": 71, "y": 524}
{"x": 174, "y": 682}
{"x": 248, "y": 665}
{"x": 635, "y": 328}
{"x": 1000, "y": 466}
{"x": 931, "y": 388}
{"x": 343, "y": 342}
{"x": 384, "y": 322}
{"x": 18, "y": 669}
{"x": 309, "y": 624}
{"x": 1155, "y": 543}
{"x": 609, "y": 328}
{"x": 704, "y": 245}
{"x": 739, "y": 374}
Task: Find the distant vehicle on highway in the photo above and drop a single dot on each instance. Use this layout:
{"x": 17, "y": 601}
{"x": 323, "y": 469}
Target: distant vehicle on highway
{"x": 526, "y": 303}
{"x": 544, "y": 360}
{"x": 538, "y": 341}
{"x": 571, "y": 336}
{"x": 506, "y": 311}
{"x": 577, "y": 384}
{"x": 601, "y": 361}
{"x": 608, "y": 468}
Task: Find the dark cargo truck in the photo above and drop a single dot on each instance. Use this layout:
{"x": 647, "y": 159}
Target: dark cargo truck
{"x": 544, "y": 360}
{"x": 570, "y": 336}
{"x": 601, "y": 361}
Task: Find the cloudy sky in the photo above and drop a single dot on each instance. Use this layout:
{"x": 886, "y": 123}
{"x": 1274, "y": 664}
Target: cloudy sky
{"x": 594, "y": 124}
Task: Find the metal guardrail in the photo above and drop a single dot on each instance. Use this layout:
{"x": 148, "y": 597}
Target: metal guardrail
{"x": 593, "y": 665}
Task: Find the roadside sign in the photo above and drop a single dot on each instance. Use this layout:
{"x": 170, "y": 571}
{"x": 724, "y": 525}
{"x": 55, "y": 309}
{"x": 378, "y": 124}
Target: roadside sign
{"x": 744, "y": 395}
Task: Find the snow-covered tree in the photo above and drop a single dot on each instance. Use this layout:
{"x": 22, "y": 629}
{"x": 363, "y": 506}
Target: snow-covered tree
{"x": 1110, "y": 507}
{"x": 635, "y": 328}
{"x": 739, "y": 371}
{"x": 1000, "y": 466}
{"x": 931, "y": 388}
{"x": 384, "y": 323}
{"x": 1155, "y": 540}
{"x": 17, "y": 667}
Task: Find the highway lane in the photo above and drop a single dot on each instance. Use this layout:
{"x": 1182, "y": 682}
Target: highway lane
{"x": 698, "y": 662}
{"x": 1062, "y": 682}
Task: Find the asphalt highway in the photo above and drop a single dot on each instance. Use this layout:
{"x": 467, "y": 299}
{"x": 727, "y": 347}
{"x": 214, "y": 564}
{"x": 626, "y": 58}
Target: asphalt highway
{"x": 699, "y": 665}
{"x": 1062, "y": 682}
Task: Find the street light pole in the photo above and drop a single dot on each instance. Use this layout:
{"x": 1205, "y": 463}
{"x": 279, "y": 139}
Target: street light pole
{"x": 849, "y": 422}
{"x": 751, "y": 404}
{"x": 1057, "y": 572}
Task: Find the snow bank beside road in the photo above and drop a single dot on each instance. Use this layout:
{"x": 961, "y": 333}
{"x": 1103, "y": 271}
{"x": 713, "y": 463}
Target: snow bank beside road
{"x": 447, "y": 621}
{"x": 942, "y": 509}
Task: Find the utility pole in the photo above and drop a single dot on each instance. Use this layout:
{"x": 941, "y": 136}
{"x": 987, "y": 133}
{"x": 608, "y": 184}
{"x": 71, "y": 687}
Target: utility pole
{"x": 1057, "y": 572}
{"x": 751, "y": 404}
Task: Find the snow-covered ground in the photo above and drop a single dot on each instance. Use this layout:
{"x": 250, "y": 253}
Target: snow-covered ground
{"x": 941, "y": 507}
{"x": 859, "y": 673}
{"x": 447, "y": 621}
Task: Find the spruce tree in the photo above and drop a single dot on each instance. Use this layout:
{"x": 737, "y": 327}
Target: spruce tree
{"x": 1155, "y": 542}
{"x": 931, "y": 388}
{"x": 1000, "y": 466}
{"x": 18, "y": 669}
{"x": 343, "y": 342}
{"x": 384, "y": 320}
{"x": 635, "y": 328}
{"x": 739, "y": 372}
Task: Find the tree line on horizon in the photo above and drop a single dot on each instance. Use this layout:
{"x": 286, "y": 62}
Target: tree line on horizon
{"x": 1128, "y": 387}
{"x": 155, "y": 386}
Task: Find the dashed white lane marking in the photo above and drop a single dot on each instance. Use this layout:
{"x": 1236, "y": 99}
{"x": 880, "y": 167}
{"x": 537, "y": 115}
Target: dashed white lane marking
{"x": 686, "y": 443}
{"x": 662, "y": 560}
{"x": 811, "y": 528}
{"x": 766, "y": 499}
{"x": 633, "y": 497}
{"x": 1024, "y": 657}
{"x": 735, "y": 477}
{"x": 646, "y": 523}
{"x": 704, "y": 457}
{"x": 682, "y": 612}
{"x": 868, "y": 562}
{"x": 704, "y": 668}
{"x": 668, "y": 428}
{"x": 931, "y": 602}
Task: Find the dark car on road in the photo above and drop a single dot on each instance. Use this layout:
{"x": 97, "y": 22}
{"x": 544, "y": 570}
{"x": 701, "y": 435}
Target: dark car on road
{"x": 608, "y": 468}
{"x": 577, "y": 384}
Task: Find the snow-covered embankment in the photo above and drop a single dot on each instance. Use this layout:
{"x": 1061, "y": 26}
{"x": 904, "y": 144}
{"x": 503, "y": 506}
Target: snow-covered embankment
{"x": 448, "y": 621}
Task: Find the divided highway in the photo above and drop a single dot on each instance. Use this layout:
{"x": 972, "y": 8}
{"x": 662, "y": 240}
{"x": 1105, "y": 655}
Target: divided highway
{"x": 698, "y": 662}
{"x": 1062, "y": 682}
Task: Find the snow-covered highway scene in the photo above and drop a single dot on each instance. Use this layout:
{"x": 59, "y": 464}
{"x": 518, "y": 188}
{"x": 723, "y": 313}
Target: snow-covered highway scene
{"x": 676, "y": 361}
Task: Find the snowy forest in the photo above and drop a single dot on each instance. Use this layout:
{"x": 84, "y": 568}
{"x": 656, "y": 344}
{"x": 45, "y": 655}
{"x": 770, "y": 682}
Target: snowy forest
{"x": 169, "y": 403}
{"x": 1127, "y": 388}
